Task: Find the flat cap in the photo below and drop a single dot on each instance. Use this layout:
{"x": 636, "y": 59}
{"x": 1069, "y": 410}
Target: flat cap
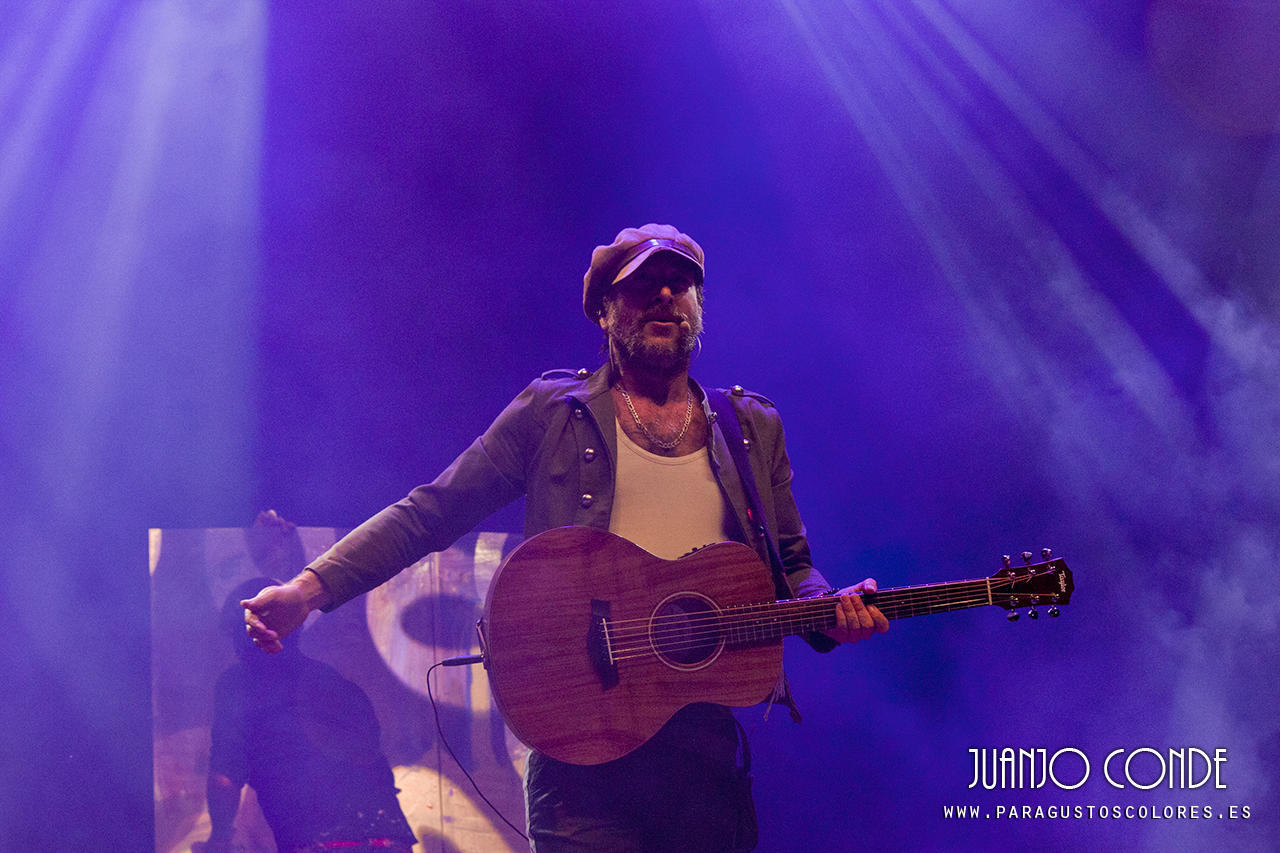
{"x": 632, "y": 247}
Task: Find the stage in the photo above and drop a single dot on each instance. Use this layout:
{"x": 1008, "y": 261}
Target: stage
{"x": 1006, "y": 271}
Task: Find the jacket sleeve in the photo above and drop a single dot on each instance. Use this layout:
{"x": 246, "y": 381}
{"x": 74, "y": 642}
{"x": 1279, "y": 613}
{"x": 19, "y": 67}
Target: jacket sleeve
{"x": 793, "y": 544}
{"x": 489, "y": 474}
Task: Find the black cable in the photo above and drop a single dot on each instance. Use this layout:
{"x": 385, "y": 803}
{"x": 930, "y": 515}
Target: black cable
{"x": 449, "y": 749}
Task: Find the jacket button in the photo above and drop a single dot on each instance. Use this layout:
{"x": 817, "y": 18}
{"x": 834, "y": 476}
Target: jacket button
{"x": 579, "y": 414}
{"x": 746, "y": 442}
{"x": 737, "y": 390}
{"x": 589, "y": 454}
{"x": 583, "y": 373}
{"x": 587, "y": 501}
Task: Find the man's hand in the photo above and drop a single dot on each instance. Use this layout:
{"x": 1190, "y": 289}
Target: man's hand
{"x": 277, "y": 611}
{"x": 854, "y": 620}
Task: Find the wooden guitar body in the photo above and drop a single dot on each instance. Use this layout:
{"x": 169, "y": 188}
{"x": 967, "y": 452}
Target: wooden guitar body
{"x": 584, "y": 693}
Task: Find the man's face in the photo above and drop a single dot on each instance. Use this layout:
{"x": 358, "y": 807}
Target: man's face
{"x": 654, "y": 315}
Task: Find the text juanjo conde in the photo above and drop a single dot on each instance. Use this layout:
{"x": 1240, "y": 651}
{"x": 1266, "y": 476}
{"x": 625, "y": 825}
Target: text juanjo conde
{"x": 1068, "y": 768}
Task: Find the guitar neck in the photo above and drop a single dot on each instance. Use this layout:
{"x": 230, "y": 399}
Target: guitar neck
{"x": 922, "y": 600}
{"x": 756, "y": 623}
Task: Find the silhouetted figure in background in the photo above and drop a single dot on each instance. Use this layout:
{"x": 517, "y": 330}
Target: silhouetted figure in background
{"x": 307, "y": 740}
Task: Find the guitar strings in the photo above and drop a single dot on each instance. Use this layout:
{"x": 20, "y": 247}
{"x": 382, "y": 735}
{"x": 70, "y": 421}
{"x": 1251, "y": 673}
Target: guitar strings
{"x": 673, "y": 633}
{"x": 782, "y": 611}
{"x": 680, "y": 634}
{"x": 799, "y": 610}
{"x": 897, "y": 599}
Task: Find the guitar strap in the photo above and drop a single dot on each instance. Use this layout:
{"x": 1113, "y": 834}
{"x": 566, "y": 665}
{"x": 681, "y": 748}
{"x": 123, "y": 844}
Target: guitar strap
{"x": 724, "y": 414}
{"x": 728, "y": 420}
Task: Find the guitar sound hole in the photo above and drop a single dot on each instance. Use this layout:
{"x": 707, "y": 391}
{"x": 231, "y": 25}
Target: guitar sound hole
{"x": 685, "y": 632}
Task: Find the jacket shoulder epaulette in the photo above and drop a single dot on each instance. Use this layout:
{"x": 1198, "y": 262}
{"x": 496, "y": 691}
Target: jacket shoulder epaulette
{"x": 580, "y": 373}
{"x": 740, "y": 392}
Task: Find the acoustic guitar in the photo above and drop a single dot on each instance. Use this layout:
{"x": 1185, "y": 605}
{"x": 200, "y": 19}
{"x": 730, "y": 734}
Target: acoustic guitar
{"x": 592, "y": 643}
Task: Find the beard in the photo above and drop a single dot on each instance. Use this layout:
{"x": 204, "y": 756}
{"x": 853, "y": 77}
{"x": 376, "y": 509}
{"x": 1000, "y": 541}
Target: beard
{"x": 626, "y": 331}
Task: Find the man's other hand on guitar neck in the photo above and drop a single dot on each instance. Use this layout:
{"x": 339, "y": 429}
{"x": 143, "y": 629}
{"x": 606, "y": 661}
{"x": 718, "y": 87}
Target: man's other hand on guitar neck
{"x": 854, "y": 620}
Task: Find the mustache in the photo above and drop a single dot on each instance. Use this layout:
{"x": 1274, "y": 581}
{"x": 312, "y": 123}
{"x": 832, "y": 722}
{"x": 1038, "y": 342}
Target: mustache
{"x": 664, "y": 316}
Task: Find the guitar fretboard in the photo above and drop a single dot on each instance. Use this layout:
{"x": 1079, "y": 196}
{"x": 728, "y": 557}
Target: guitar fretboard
{"x": 760, "y": 623}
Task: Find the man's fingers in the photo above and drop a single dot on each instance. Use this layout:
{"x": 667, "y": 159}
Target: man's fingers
{"x": 849, "y": 622}
{"x": 864, "y": 622}
{"x": 255, "y": 624}
{"x": 262, "y": 636}
{"x": 855, "y": 619}
{"x": 870, "y": 617}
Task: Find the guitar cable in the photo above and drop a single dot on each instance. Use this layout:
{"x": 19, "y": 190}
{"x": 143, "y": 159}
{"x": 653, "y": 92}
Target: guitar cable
{"x": 463, "y": 661}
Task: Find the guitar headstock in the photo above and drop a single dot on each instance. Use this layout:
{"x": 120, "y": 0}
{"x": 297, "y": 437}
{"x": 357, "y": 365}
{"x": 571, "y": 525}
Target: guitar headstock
{"x": 1030, "y": 585}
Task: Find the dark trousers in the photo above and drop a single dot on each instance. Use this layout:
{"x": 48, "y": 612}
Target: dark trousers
{"x": 659, "y": 798}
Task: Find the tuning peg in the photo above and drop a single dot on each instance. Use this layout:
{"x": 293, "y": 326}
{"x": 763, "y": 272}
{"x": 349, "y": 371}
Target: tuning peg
{"x": 1026, "y": 557}
{"x": 1055, "y": 612}
{"x": 1007, "y": 562}
{"x": 1033, "y": 613}
{"x": 1013, "y": 616}
{"x": 1046, "y": 553}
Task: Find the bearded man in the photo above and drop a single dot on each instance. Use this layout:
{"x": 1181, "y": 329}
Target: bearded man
{"x": 635, "y": 448}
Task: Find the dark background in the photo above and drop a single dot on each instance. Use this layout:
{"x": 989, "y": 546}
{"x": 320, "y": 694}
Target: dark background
{"x": 1007, "y": 269}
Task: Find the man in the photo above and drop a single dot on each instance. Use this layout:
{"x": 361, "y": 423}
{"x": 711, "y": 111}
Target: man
{"x": 635, "y": 449}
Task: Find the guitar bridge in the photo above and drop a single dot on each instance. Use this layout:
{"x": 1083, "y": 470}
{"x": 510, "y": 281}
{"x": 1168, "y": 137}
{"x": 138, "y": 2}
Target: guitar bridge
{"x": 599, "y": 651}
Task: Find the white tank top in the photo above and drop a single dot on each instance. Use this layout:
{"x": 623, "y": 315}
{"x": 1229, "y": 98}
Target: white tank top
{"x": 666, "y": 505}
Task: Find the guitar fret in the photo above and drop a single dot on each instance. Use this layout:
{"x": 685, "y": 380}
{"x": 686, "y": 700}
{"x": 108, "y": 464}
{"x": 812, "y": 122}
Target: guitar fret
{"x": 750, "y": 624}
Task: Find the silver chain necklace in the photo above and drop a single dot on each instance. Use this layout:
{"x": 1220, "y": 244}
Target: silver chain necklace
{"x": 665, "y": 445}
